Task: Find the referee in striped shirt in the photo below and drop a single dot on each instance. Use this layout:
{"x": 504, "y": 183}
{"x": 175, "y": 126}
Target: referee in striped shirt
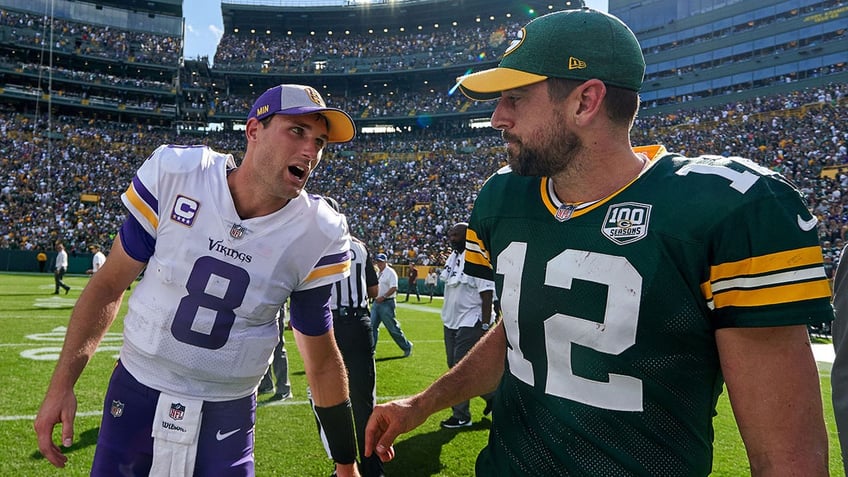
{"x": 352, "y": 328}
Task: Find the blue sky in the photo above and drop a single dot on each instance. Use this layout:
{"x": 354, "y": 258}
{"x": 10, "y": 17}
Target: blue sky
{"x": 204, "y": 26}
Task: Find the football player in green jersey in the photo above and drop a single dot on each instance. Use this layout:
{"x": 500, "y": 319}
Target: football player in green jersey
{"x": 635, "y": 283}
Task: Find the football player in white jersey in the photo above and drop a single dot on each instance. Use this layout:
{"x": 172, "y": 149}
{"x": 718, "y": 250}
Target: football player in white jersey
{"x": 223, "y": 247}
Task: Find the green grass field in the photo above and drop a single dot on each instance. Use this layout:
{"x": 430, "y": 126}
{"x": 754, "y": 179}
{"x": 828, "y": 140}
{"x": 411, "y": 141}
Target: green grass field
{"x": 33, "y": 321}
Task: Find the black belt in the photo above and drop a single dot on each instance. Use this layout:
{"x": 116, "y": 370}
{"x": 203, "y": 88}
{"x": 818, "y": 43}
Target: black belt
{"x": 348, "y": 311}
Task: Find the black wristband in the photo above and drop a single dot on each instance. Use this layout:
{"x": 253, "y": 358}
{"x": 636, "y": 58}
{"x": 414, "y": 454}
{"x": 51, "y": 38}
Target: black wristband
{"x": 336, "y": 426}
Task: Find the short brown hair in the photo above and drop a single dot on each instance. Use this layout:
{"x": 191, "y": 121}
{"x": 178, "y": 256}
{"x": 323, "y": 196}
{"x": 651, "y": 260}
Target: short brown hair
{"x": 621, "y": 104}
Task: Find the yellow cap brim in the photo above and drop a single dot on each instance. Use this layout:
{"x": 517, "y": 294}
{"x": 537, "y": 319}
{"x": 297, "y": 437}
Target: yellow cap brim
{"x": 487, "y": 85}
{"x": 341, "y": 125}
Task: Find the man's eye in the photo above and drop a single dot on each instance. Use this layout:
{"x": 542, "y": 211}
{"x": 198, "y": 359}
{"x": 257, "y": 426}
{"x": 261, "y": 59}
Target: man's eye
{"x": 297, "y": 130}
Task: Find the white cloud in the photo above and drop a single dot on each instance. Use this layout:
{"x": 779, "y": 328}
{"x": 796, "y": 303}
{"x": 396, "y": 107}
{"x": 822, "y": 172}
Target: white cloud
{"x": 217, "y": 31}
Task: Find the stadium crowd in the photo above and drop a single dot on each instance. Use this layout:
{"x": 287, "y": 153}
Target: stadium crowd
{"x": 90, "y": 40}
{"x": 342, "y": 51}
{"x": 391, "y": 103}
{"x": 337, "y": 52}
{"x": 401, "y": 191}
{"x": 359, "y": 52}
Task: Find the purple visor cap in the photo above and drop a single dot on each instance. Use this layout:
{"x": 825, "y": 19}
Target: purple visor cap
{"x": 295, "y": 99}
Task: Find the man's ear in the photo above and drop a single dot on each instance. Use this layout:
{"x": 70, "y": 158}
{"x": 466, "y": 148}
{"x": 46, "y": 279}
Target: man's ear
{"x": 251, "y": 127}
{"x": 590, "y": 95}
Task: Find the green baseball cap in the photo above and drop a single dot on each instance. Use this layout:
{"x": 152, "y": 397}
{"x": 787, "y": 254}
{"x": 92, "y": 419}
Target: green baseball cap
{"x": 573, "y": 44}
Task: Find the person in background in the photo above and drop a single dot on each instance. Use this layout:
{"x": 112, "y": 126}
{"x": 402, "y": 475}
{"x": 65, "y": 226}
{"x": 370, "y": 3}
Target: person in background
{"x": 383, "y": 310}
{"x": 276, "y": 379}
{"x": 352, "y": 329}
{"x": 629, "y": 303}
{"x": 97, "y": 259}
{"x": 202, "y": 323}
{"x": 412, "y": 282}
{"x": 467, "y": 314}
{"x": 41, "y": 258}
{"x": 59, "y": 269}
{"x": 839, "y": 371}
{"x": 432, "y": 281}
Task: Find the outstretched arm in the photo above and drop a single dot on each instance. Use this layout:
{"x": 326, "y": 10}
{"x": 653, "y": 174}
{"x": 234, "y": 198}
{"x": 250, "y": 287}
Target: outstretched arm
{"x": 328, "y": 385}
{"x": 93, "y": 314}
{"x": 478, "y": 373}
{"x": 773, "y": 385}
{"x": 324, "y": 367}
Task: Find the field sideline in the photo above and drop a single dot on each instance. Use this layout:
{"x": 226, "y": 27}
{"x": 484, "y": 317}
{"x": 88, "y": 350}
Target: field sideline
{"x": 34, "y": 320}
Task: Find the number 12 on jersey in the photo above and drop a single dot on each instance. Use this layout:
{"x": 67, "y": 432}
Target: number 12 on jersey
{"x": 613, "y": 336}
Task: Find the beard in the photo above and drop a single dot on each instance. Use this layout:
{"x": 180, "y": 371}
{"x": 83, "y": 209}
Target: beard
{"x": 553, "y": 152}
{"x": 458, "y": 247}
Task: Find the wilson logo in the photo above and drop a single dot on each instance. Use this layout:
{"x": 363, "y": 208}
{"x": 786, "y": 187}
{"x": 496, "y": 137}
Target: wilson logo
{"x": 173, "y": 427}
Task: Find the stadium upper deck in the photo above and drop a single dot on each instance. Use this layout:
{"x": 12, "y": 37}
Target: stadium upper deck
{"x": 701, "y": 52}
{"x": 393, "y": 64}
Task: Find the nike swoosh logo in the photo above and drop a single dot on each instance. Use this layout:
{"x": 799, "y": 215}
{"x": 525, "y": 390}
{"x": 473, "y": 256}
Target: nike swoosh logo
{"x": 807, "y": 225}
{"x": 221, "y": 437}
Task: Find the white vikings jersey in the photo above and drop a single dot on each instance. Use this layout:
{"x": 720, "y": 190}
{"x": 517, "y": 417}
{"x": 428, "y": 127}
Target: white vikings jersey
{"x": 201, "y": 323}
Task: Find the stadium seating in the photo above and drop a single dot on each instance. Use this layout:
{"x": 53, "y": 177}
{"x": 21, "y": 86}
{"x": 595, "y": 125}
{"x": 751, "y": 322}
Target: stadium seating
{"x": 62, "y": 174}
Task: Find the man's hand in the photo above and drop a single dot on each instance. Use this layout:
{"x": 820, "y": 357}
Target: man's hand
{"x": 55, "y": 409}
{"x": 389, "y": 421}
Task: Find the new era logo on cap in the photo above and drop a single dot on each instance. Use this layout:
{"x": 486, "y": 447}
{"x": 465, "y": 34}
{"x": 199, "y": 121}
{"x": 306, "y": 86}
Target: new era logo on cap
{"x": 294, "y": 100}
{"x": 575, "y": 64}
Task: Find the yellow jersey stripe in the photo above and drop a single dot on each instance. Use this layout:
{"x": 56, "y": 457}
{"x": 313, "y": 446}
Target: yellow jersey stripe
{"x": 321, "y": 272}
{"x": 773, "y": 295}
{"x": 475, "y": 252}
{"x": 142, "y": 207}
{"x": 546, "y": 199}
{"x": 477, "y": 259}
{"x": 546, "y": 189}
{"x": 652, "y": 150}
{"x": 774, "y": 262}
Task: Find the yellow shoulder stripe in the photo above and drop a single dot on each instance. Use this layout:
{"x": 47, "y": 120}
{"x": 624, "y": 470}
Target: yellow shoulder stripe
{"x": 142, "y": 207}
{"x": 475, "y": 252}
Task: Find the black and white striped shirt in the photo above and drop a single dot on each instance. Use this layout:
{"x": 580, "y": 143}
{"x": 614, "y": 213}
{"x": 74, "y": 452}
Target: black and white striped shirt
{"x": 352, "y": 292}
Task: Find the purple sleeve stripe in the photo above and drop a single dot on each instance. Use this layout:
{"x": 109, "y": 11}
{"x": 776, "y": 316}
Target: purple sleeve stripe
{"x": 145, "y": 194}
{"x": 136, "y": 241}
{"x": 310, "y": 311}
{"x": 332, "y": 259}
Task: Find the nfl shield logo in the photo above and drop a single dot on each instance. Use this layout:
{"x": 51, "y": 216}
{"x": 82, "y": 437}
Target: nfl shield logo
{"x": 237, "y": 231}
{"x": 117, "y": 409}
{"x": 177, "y": 411}
{"x": 564, "y": 212}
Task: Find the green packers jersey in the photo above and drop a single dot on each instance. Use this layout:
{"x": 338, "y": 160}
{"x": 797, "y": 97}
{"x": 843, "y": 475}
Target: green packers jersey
{"x": 610, "y": 309}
